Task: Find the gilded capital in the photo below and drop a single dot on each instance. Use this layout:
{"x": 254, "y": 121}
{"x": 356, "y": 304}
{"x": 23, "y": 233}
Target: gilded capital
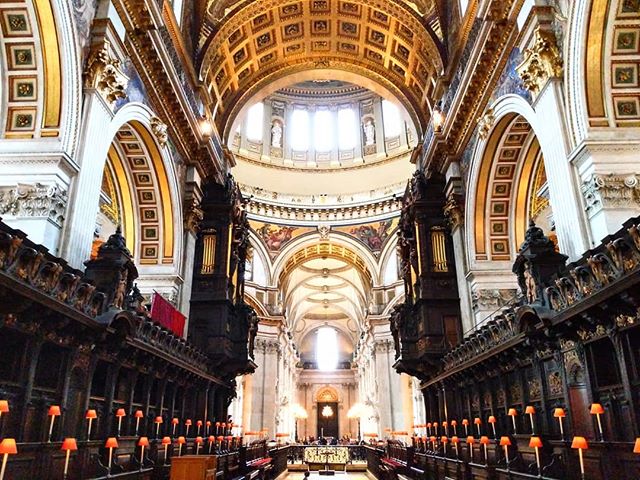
{"x": 159, "y": 129}
{"x": 104, "y": 73}
{"x": 193, "y": 215}
{"x": 542, "y": 61}
{"x": 453, "y": 210}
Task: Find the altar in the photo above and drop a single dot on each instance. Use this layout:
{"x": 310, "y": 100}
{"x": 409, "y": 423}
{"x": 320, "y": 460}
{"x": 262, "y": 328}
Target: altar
{"x": 332, "y": 457}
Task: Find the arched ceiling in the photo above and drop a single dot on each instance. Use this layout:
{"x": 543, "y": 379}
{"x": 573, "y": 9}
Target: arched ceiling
{"x": 257, "y": 43}
{"x": 323, "y": 290}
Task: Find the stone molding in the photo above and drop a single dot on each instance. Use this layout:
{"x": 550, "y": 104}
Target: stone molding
{"x": 34, "y": 200}
{"x": 602, "y": 191}
{"x": 492, "y": 298}
{"x": 454, "y": 211}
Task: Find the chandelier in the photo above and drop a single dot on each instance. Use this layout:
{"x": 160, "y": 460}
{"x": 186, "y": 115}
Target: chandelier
{"x": 327, "y": 411}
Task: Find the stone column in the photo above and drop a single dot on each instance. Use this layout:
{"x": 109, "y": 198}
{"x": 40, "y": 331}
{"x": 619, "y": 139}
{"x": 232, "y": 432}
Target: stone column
{"x": 386, "y": 403}
{"x": 104, "y": 84}
{"x": 454, "y": 212}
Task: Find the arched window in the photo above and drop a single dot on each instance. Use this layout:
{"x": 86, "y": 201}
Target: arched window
{"x": 463, "y": 7}
{"x": 255, "y": 120}
{"x": 322, "y": 131}
{"x": 177, "y": 10}
{"x": 327, "y": 349}
{"x": 347, "y": 134}
{"x": 392, "y": 119}
{"x": 300, "y": 130}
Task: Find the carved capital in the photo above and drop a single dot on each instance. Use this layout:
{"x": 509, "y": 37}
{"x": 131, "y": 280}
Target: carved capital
{"x": 602, "y": 191}
{"x": 193, "y": 215}
{"x": 454, "y": 211}
{"x": 542, "y": 61}
{"x": 34, "y": 200}
{"x": 159, "y": 129}
{"x": 105, "y": 75}
{"x": 485, "y": 124}
{"x": 492, "y": 299}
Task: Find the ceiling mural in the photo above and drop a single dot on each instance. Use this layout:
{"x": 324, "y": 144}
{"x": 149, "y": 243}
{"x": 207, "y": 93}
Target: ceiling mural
{"x": 275, "y": 237}
{"x": 373, "y": 235}
{"x": 386, "y": 42}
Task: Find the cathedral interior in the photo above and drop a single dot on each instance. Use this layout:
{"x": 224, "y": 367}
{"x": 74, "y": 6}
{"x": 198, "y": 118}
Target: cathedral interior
{"x": 262, "y": 239}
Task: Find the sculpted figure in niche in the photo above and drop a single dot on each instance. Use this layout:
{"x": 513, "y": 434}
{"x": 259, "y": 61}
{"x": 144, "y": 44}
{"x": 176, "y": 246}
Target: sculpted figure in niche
{"x": 369, "y": 132}
{"x": 276, "y": 135}
{"x": 530, "y": 283}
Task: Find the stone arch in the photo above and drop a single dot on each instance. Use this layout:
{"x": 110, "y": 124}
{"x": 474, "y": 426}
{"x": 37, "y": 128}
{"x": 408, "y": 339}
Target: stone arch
{"x": 326, "y": 394}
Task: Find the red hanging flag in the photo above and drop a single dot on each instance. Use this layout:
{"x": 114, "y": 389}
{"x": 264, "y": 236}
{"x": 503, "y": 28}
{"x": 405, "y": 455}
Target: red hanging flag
{"x": 165, "y": 314}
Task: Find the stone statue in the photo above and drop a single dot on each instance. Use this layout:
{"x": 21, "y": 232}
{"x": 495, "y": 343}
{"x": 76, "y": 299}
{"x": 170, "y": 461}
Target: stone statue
{"x": 276, "y": 135}
{"x": 530, "y": 283}
{"x": 369, "y": 132}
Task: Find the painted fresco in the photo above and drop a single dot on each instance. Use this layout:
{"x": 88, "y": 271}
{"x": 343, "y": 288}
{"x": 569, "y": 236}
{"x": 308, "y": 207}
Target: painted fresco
{"x": 275, "y": 237}
{"x": 373, "y": 235}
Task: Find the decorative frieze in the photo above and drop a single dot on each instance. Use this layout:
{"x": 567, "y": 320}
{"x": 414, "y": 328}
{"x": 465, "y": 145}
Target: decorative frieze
{"x": 104, "y": 74}
{"x": 492, "y": 299}
{"x": 34, "y": 200}
{"x": 542, "y": 61}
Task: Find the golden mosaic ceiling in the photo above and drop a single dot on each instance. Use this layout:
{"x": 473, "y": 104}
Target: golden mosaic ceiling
{"x": 261, "y": 42}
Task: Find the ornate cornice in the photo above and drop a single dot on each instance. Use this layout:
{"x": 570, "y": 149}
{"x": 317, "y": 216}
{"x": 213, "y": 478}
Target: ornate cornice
{"x": 34, "y": 200}
{"x": 601, "y": 191}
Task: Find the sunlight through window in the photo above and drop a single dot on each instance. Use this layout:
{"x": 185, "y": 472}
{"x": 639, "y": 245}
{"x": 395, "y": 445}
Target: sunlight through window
{"x": 300, "y": 130}
{"x": 323, "y": 131}
{"x": 327, "y": 349}
{"x": 254, "y": 122}
{"x": 347, "y": 136}
{"x": 392, "y": 119}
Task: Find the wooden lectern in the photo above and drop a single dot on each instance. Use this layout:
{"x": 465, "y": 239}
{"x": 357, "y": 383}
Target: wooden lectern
{"x": 193, "y": 467}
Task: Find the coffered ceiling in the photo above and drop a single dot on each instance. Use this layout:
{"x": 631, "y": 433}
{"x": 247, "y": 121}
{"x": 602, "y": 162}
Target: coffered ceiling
{"x": 252, "y": 48}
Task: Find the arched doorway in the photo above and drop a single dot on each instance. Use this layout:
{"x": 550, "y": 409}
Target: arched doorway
{"x": 327, "y": 411}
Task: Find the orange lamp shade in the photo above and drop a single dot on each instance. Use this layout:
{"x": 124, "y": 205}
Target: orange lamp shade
{"x": 217, "y": 424}
{"x": 138, "y": 414}
{"x": 432, "y": 439}
{"x": 220, "y": 438}
{"x": 208, "y": 423}
{"x": 465, "y": 422}
{"x": 444, "y": 424}
{"x": 199, "y": 440}
{"x": 166, "y": 441}
{"x": 444, "y": 439}
{"x": 91, "y": 414}
{"x": 8, "y": 447}
{"x": 455, "y": 440}
{"x": 579, "y": 442}
{"x": 121, "y": 413}
{"x": 530, "y": 410}
{"x": 211, "y": 439}
{"x": 636, "y": 447}
{"x": 158, "y": 420}
{"x": 559, "y": 413}
{"x": 512, "y": 412}
{"x": 143, "y": 442}
{"x": 111, "y": 443}
{"x": 199, "y": 423}
{"x": 229, "y": 437}
{"x": 4, "y": 406}
{"x": 454, "y": 423}
{"x": 175, "y": 421}
{"x": 435, "y": 424}
{"x": 492, "y": 419}
{"x": 477, "y": 421}
{"x": 69, "y": 444}
{"x": 182, "y": 440}
{"x": 484, "y": 440}
{"x": 429, "y": 425}
{"x": 505, "y": 442}
{"x": 54, "y": 411}
{"x": 188, "y": 422}
{"x": 471, "y": 440}
{"x": 596, "y": 409}
{"x": 535, "y": 442}
{"x": 224, "y": 424}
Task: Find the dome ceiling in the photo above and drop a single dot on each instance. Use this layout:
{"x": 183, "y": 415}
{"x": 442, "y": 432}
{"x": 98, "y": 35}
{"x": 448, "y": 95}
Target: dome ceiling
{"x": 390, "y": 43}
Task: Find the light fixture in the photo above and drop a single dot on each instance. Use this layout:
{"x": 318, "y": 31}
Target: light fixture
{"x": 327, "y": 411}
{"x": 206, "y": 128}
{"x": 437, "y": 117}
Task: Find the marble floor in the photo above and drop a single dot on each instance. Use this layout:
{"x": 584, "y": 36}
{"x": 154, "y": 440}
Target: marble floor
{"x": 337, "y": 476}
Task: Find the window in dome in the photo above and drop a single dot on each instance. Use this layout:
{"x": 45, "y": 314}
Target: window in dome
{"x": 347, "y": 135}
{"x": 392, "y": 119}
{"x": 327, "y": 349}
{"x": 177, "y": 10}
{"x": 300, "y": 130}
{"x": 255, "y": 120}
{"x": 463, "y": 6}
{"x": 322, "y": 131}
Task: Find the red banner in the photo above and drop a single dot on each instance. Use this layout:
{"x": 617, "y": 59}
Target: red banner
{"x": 167, "y": 315}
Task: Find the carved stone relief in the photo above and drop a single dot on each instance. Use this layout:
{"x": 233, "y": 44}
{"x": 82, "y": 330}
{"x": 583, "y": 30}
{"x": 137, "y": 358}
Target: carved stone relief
{"x": 34, "y": 200}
